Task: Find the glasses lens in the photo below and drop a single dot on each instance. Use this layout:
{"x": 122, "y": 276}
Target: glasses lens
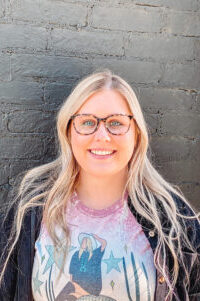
{"x": 118, "y": 124}
{"x": 85, "y": 124}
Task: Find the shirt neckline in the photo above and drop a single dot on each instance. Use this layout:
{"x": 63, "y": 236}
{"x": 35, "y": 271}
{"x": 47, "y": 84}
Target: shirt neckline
{"x": 99, "y": 212}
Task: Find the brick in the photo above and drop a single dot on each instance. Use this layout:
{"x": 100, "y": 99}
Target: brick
{"x": 1, "y": 125}
{"x": 186, "y": 176}
{"x": 184, "y": 23}
{"x": 21, "y": 92}
{"x": 1, "y": 121}
{"x": 169, "y": 149}
{"x": 56, "y": 93}
{"x": 195, "y": 149}
{"x": 9, "y": 106}
{"x": 179, "y": 123}
{"x": 20, "y": 36}
{"x": 2, "y": 8}
{"x": 191, "y": 192}
{"x": 26, "y": 66}
{"x": 153, "y": 123}
{"x": 18, "y": 170}
{"x": 132, "y": 71}
{"x": 167, "y": 48}
{"x": 19, "y": 167}
{"x": 4, "y": 172}
{"x": 184, "y": 4}
{"x": 5, "y": 67}
{"x": 31, "y": 122}
{"x": 108, "y": 43}
{"x": 156, "y": 99}
{"x": 196, "y": 106}
{"x": 131, "y": 19}
{"x": 197, "y": 49}
{"x": 15, "y": 183}
{"x": 176, "y": 5}
{"x": 22, "y": 147}
{"x": 51, "y": 149}
{"x": 4, "y": 191}
{"x": 44, "y": 12}
{"x": 182, "y": 171}
{"x": 186, "y": 76}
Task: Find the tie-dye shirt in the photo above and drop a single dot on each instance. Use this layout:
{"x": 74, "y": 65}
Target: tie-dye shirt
{"x": 109, "y": 258}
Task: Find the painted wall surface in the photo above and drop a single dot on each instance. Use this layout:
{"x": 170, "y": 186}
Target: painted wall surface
{"x": 46, "y": 46}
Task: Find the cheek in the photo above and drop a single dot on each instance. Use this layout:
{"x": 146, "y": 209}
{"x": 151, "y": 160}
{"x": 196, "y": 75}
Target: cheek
{"x": 79, "y": 144}
{"x": 129, "y": 147}
{"x": 126, "y": 148}
{"x": 127, "y": 142}
{"x": 131, "y": 138}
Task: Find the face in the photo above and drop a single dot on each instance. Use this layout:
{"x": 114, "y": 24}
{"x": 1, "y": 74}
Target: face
{"x": 102, "y": 104}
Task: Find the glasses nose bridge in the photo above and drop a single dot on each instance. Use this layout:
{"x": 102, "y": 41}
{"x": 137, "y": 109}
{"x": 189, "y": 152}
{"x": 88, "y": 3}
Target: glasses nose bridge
{"x": 99, "y": 121}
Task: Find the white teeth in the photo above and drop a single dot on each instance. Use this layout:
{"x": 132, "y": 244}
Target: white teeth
{"x": 101, "y": 152}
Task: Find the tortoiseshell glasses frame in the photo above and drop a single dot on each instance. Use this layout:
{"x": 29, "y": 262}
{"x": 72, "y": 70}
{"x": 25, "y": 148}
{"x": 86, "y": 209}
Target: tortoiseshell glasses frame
{"x": 98, "y": 120}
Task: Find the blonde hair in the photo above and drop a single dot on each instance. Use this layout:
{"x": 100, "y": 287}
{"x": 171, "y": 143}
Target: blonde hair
{"x": 52, "y": 185}
{"x": 89, "y": 248}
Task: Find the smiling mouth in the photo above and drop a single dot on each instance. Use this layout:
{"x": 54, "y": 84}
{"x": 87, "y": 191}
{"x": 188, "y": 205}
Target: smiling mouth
{"x": 102, "y": 152}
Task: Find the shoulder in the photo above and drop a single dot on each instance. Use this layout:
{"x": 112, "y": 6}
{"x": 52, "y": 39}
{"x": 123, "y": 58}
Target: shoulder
{"x": 185, "y": 209}
{"x": 188, "y": 220}
{"x": 7, "y": 218}
{"x": 30, "y": 223}
{"x": 182, "y": 206}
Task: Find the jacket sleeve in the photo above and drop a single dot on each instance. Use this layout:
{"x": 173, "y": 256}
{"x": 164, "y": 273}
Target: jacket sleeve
{"x": 8, "y": 286}
{"x": 194, "y": 289}
{"x": 193, "y": 233}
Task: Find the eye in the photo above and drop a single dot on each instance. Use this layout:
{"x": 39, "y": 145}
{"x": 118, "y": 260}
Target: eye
{"x": 88, "y": 122}
{"x": 115, "y": 123}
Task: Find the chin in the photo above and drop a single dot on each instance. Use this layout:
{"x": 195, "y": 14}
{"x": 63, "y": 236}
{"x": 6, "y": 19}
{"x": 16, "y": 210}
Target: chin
{"x": 102, "y": 173}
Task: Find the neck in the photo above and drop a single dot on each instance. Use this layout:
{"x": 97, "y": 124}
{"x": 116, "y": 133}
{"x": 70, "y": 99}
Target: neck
{"x": 100, "y": 192}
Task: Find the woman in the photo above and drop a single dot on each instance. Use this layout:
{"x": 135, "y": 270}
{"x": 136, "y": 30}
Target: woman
{"x": 145, "y": 234}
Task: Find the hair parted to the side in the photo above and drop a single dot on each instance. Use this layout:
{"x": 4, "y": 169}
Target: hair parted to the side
{"x": 52, "y": 185}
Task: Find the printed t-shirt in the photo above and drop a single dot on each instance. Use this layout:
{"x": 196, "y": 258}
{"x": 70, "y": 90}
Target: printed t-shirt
{"x": 109, "y": 257}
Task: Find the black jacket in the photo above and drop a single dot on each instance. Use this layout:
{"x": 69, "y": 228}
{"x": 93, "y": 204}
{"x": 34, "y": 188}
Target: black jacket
{"x": 19, "y": 271}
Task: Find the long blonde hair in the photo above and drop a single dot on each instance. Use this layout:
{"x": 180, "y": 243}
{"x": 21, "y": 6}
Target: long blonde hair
{"x": 52, "y": 185}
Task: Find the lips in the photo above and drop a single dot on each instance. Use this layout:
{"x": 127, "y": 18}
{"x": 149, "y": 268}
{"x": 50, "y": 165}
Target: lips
{"x": 102, "y": 156}
{"x": 102, "y": 152}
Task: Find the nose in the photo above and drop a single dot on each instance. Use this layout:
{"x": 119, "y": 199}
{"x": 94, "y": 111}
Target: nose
{"x": 102, "y": 133}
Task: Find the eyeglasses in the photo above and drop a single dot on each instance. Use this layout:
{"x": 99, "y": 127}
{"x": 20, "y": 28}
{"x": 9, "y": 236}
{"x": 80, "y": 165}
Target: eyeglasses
{"x": 116, "y": 124}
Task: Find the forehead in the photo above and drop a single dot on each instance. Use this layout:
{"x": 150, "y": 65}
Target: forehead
{"x": 105, "y": 102}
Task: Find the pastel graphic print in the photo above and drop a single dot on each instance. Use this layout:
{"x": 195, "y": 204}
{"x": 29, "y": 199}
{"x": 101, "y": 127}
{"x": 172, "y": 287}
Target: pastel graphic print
{"x": 109, "y": 258}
